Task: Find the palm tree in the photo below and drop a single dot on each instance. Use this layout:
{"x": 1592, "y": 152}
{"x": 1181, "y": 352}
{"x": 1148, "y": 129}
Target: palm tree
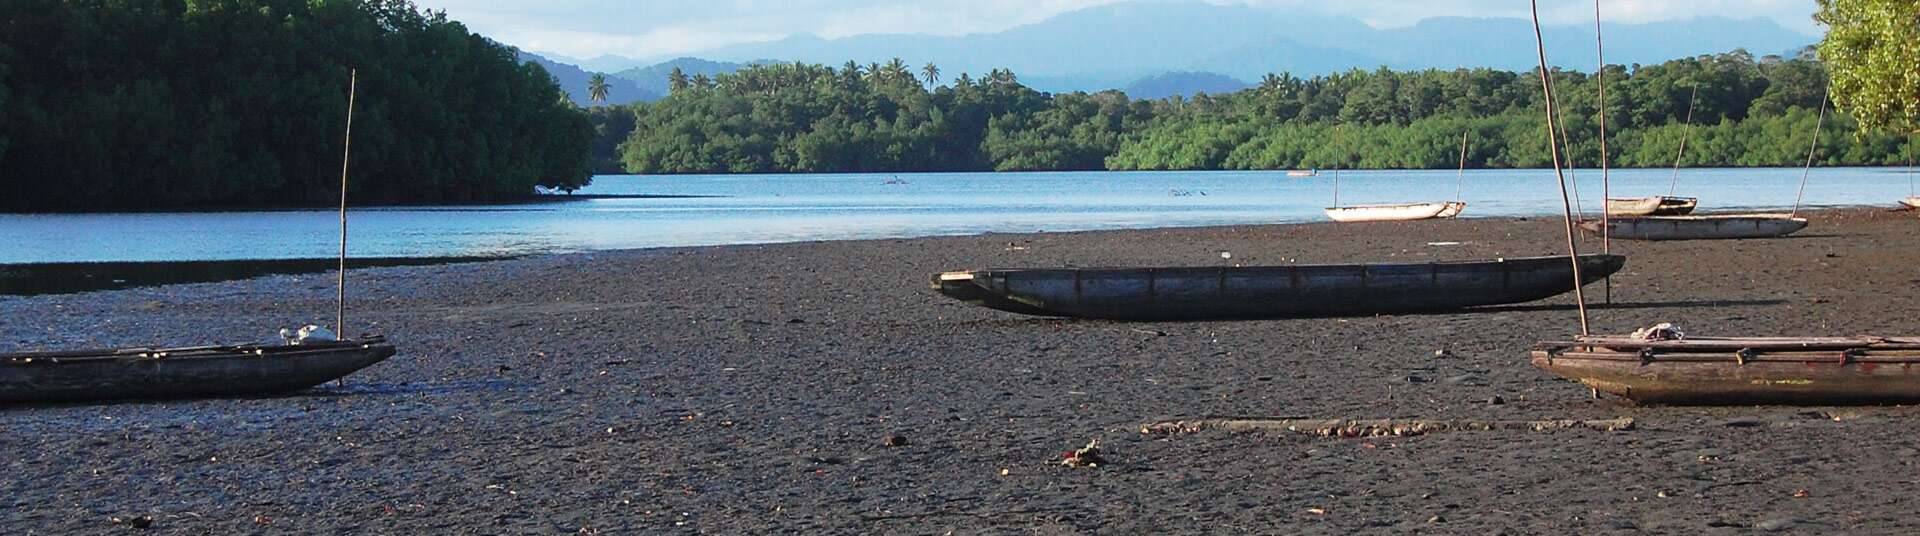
{"x": 597, "y": 88}
{"x": 1269, "y": 84}
{"x": 932, "y": 74}
{"x": 677, "y": 80}
{"x": 963, "y": 81}
{"x": 874, "y": 75}
{"x": 897, "y": 70}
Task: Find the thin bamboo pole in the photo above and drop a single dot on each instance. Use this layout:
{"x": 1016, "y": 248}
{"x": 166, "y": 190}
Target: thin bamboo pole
{"x": 1686, "y": 131}
{"x": 1813, "y": 146}
{"x": 1606, "y": 176}
{"x": 1336, "y": 166}
{"x": 1553, "y": 144}
{"x": 1573, "y": 179}
{"x": 340, "y": 298}
{"x": 1460, "y": 180}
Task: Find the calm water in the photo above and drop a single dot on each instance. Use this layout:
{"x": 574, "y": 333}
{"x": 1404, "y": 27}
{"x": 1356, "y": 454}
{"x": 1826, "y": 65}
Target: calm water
{"x": 786, "y": 208}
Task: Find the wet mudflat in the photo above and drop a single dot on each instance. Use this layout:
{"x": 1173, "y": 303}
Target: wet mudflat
{"x": 752, "y": 389}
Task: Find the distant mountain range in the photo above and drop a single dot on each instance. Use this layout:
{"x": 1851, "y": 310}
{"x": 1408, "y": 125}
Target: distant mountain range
{"x": 654, "y": 77}
{"x": 573, "y": 80}
{"x": 1184, "y": 84}
{"x": 1119, "y": 45}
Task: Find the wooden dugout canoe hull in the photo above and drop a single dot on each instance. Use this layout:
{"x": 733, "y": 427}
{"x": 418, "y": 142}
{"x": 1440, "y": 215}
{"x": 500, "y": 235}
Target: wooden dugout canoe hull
{"x": 132, "y": 374}
{"x": 1396, "y": 212}
{"x": 1270, "y": 291}
{"x": 1659, "y": 205}
{"x": 1706, "y": 227}
{"x": 1793, "y": 371}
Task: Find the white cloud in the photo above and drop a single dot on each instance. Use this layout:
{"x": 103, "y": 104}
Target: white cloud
{"x": 659, "y": 28}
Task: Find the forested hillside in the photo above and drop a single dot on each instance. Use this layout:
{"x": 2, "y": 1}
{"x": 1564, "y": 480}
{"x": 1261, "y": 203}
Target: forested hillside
{"x": 148, "y": 104}
{"x": 894, "y": 117}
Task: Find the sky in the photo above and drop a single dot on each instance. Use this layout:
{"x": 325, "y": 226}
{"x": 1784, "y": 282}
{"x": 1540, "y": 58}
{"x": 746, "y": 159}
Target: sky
{"x": 647, "y": 29}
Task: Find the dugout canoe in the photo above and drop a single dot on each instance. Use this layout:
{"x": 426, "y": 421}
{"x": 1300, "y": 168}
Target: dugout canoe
{"x": 1659, "y": 205}
{"x": 161, "y": 373}
{"x": 1701, "y": 227}
{"x": 1396, "y": 212}
{"x": 1745, "y": 371}
{"x": 1307, "y": 290}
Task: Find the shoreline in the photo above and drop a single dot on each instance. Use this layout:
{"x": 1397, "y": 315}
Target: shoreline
{"x": 749, "y": 388}
{"x": 83, "y": 269}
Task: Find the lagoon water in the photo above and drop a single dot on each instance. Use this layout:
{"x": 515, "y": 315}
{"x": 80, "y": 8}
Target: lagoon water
{"x": 745, "y": 209}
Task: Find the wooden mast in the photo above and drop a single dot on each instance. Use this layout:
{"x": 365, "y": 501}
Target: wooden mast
{"x": 340, "y": 297}
{"x": 1553, "y": 144}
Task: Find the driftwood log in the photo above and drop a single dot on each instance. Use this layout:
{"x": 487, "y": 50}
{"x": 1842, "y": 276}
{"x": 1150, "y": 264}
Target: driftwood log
{"x": 1378, "y": 427}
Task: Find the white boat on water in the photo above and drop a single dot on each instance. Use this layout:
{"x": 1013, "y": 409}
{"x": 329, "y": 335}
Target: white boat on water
{"x": 1659, "y": 205}
{"x": 1700, "y": 227}
{"x": 1912, "y": 202}
{"x": 1396, "y": 212}
{"x": 1401, "y": 211}
{"x": 1303, "y": 172}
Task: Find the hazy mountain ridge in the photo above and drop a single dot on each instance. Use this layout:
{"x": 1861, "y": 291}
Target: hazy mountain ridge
{"x": 1184, "y": 84}
{"x": 573, "y": 80}
{"x": 654, "y": 77}
{"x": 1071, "y": 50}
{"x": 1115, "y": 46}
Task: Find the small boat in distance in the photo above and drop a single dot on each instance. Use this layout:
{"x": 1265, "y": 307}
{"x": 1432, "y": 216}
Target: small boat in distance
{"x": 1303, "y": 172}
{"x": 204, "y": 371}
{"x": 1663, "y": 205}
{"x": 1911, "y": 202}
{"x": 1402, "y": 211}
{"x": 1396, "y": 212}
{"x": 1306, "y": 290}
{"x": 1763, "y": 370}
{"x": 1659, "y": 205}
{"x": 1700, "y": 227}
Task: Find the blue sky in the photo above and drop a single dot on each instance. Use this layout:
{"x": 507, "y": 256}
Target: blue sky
{"x": 662, "y": 28}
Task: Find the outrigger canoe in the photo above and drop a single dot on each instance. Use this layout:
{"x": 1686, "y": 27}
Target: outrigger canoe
{"x": 1911, "y": 202}
{"x": 1396, "y": 212}
{"x": 1766, "y": 370}
{"x": 158, "y": 373}
{"x": 1307, "y": 290}
{"x": 1659, "y": 205}
{"x": 1702, "y": 227}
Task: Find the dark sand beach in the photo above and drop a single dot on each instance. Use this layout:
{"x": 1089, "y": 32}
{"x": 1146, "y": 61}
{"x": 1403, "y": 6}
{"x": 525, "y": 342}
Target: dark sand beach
{"x": 747, "y": 389}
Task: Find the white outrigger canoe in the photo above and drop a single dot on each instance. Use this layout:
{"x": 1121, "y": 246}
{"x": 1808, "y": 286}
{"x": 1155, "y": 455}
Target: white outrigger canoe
{"x": 1912, "y": 202}
{"x": 1396, "y": 212}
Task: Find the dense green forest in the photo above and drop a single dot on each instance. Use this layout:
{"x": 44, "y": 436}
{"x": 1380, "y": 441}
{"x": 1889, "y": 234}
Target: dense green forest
{"x": 892, "y": 117}
{"x": 144, "y": 104}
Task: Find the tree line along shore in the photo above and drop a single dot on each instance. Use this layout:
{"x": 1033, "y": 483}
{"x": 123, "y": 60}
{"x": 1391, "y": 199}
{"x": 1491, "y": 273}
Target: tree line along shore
{"x": 155, "y": 104}
{"x": 774, "y": 118}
